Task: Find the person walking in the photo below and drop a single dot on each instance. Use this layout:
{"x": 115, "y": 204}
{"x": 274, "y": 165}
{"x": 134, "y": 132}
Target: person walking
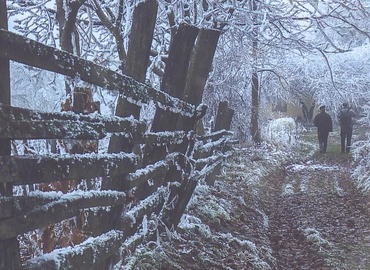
{"x": 345, "y": 118}
{"x": 324, "y": 125}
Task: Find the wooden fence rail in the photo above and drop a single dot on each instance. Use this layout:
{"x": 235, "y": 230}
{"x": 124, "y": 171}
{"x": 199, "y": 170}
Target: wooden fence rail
{"x": 131, "y": 187}
{"x": 27, "y": 51}
{"x": 44, "y": 208}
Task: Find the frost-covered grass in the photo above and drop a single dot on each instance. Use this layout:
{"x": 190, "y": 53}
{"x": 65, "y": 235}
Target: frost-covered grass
{"x": 313, "y": 236}
{"x": 218, "y": 226}
{"x": 362, "y": 171}
{"x": 361, "y": 152}
{"x": 209, "y": 206}
{"x": 281, "y": 132}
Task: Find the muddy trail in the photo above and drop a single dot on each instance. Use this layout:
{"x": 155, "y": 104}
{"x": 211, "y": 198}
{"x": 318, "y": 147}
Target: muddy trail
{"x": 301, "y": 213}
{"x": 318, "y": 218}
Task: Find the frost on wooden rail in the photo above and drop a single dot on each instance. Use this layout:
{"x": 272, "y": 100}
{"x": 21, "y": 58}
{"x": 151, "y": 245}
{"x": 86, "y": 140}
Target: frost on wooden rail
{"x": 41, "y": 169}
{"x": 86, "y": 255}
{"x": 27, "y": 51}
{"x": 66, "y": 206}
{"x": 19, "y": 123}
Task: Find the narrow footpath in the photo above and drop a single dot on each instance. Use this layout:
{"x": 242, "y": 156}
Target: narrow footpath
{"x": 319, "y": 220}
{"x": 273, "y": 210}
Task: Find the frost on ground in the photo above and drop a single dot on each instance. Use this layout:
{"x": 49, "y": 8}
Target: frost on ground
{"x": 276, "y": 206}
{"x": 224, "y": 226}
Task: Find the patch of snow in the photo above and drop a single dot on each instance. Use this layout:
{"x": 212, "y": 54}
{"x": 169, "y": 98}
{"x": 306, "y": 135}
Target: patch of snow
{"x": 288, "y": 190}
{"x": 311, "y": 167}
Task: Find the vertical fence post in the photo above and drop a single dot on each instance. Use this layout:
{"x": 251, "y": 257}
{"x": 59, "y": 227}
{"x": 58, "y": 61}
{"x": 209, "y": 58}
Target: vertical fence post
{"x": 199, "y": 67}
{"x": 135, "y": 66}
{"x": 173, "y": 83}
{"x": 9, "y": 248}
{"x": 224, "y": 116}
{"x": 198, "y": 70}
{"x": 4, "y": 88}
{"x": 223, "y": 121}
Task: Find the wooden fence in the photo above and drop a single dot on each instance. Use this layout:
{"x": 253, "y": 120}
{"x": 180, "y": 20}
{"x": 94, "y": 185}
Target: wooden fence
{"x": 134, "y": 185}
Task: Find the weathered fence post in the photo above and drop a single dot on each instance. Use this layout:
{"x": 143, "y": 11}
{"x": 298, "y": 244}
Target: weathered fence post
{"x": 9, "y": 249}
{"x": 223, "y": 121}
{"x": 4, "y": 92}
{"x": 135, "y": 66}
{"x": 224, "y": 116}
{"x": 199, "y": 67}
{"x": 83, "y": 104}
{"x": 174, "y": 81}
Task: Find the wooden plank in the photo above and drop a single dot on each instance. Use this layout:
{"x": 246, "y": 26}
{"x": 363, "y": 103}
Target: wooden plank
{"x": 133, "y": 218}
{"x": 214, "y": 136}
{"x": 13, "y": 114}
{"x": 158, "y": 138}
{"x": 199, "y": 67}
{"x": 209, "y": 168}
{"x": 27, "y": 51}
{"x": 151, "y": 171}
{"x": 175, "y": 74}
{"x": 132, "y": 243}
{"x": 138, "y": 52}
{"x": 51, "y": 130}
{"x": 166, "y": 137}
{"x": 200, "y": 164}
{"x": 205, "y": 150}
{"x": 64, "y": 207}
{"x": 200, "y": 64}
{"x": 83, "y": 256}
{"x": 41, "y": 169}
{"x": 179, "y": 195}
{"x": 20, "y": 204}
{"x": 128, "y": 125}
{"x": 173, "y": 82}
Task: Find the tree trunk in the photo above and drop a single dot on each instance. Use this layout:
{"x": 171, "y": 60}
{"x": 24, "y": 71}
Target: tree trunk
{"x": 70, "y": 26}
{"x": 66, "y": 30}
{"x": 255, "y": 132}
{"x": 255, "y": 109}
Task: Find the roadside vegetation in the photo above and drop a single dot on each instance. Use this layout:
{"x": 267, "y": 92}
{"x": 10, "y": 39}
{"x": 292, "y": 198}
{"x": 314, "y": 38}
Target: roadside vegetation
{"x": 274, "y": 207}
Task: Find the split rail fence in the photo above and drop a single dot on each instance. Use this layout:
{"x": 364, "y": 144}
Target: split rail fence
{"x": 159, "y": 180}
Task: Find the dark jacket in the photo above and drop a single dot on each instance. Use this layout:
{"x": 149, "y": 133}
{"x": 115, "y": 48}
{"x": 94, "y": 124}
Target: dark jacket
{"x": 323, "y": 122}
{"x": 345, "y": 118}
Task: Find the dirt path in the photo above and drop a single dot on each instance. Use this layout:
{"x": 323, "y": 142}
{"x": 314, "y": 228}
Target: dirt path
{"x": 267, "y": 216}
{"x": 319, "y": 220}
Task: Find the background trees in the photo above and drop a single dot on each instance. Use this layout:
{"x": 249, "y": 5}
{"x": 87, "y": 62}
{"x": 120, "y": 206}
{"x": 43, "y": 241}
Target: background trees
{"x": 283, "y": 50}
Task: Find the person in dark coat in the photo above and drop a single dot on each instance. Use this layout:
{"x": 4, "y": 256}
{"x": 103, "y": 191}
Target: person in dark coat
{"x": 345, "y": 118}
{"x": 324, "y": 125}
